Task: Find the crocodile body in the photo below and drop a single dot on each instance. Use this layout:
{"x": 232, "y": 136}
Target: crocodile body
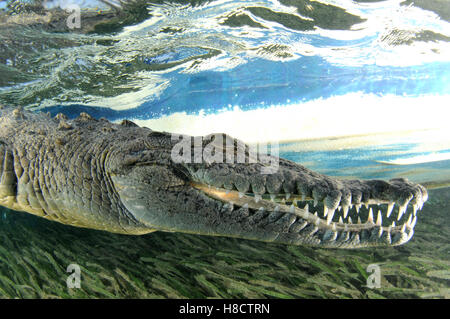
{"x": 123, "y": 178}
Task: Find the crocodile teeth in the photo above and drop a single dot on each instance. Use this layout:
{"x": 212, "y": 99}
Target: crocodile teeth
{"x": 379, "y": 218}
{"x": 345, "y": 211}
{"x": 288, "y": 195}
{"x": 306, "y": 207}
{"x": 257, "y": 198}
{"x": 330, "y": 216}
{"x": 292, "y": 209}
{"x": 315, "y": 202}
{"x": 272, "y": 197}
{"x": 358, "y": 206}
{"x": 401, "y": 210}
{"x": 388, "y": 237}
{"x": 403, "y": 228}
{"x": 367, "y": 205}
{"x": 393, "y": 224}
{"x": 408, "y": 223}
{"x": 370, "y": 217}
{"x": 350, "y": 220}
{"x": 325, "y": 211}
{"x": 389, "y": 209}
{"x": 241, "y": 195}
{"x": 334, "y": 235}
{"x": 359, "y": 220}
{"x": 408, "y": 201}
{"x": 340, "y": 220}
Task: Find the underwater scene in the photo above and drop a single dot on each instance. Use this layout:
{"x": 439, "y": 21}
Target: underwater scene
{"x": 354, "y": 94}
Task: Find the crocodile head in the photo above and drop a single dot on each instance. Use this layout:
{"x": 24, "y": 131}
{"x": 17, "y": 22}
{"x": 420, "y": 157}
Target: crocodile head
{"x": 234, "y": 194}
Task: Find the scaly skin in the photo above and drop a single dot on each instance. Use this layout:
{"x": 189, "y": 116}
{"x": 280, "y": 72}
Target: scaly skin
{"x": 123, "y": 178}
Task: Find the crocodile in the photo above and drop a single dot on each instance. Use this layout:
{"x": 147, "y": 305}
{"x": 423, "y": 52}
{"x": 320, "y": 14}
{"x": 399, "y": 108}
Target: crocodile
{"x": 122, "y": 178}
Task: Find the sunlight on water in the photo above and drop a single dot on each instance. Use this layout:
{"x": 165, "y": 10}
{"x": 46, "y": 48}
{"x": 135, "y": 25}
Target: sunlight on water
{"x": 351, "y": 114}
{"x": 420, "y": 159}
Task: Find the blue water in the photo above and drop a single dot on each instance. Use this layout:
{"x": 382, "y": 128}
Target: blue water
{"x": 365, "y": 163}
{"x": 382, "y": 63}
{"x": 260, "y": 83}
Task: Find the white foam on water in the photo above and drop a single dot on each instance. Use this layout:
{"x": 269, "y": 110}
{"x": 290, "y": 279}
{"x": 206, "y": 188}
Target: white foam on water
{"x": 420, "y": 159}
{"x": 385, "y": 119}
